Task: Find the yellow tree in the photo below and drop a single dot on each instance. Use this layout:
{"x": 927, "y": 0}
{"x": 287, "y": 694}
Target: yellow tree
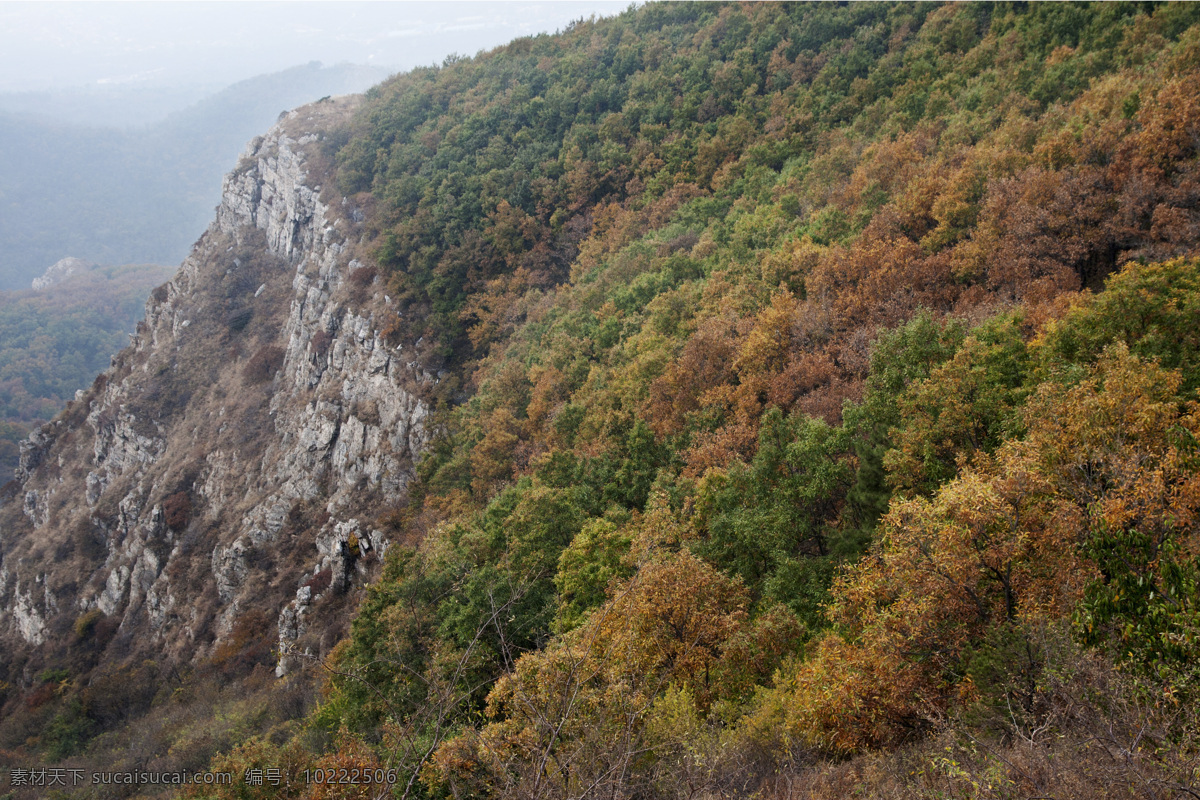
{"x": 571, "y": 719}
{"x": 1008, "y": 541}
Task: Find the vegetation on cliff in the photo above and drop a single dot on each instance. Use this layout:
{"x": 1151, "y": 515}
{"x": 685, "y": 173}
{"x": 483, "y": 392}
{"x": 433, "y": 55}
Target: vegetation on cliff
{"x": 832, "y": 386}
{"x": 819, "y": 411}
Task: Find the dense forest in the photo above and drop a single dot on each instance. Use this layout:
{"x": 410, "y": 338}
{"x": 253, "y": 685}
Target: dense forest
{"x": 818, "y": 418}
{"x": 826, "y": 382}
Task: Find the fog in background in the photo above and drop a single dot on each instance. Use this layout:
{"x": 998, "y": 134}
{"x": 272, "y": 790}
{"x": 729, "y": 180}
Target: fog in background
{"x": 118, "y": 120}
{"x": 54, "y": 45}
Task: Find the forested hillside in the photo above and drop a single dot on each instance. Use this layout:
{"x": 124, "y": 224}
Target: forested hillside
{"x": 818, "y": 412}
{"x": 800, "y": 420}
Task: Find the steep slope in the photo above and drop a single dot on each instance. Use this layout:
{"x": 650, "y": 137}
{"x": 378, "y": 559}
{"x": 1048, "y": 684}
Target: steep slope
{"x": 57, "y": 337}
{"x": 817, "y": 378}
{"x": 214, "y": 464}
{"x": 813, "y": 256}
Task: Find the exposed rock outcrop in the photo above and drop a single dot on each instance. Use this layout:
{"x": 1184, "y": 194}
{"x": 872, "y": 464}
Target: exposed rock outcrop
{"x": 239, "y": 446}
{"x": 60, "y": 271}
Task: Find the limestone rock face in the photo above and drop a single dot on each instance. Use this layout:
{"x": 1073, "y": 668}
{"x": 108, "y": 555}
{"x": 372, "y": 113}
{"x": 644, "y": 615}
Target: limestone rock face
{"x": 60, "y": 271}
{"x": 235, "y": 455}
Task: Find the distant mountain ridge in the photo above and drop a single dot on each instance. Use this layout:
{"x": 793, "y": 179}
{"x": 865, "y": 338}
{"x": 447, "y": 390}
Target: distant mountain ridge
{"x": 122, "y": 105}
{"x": 124, "y": 196}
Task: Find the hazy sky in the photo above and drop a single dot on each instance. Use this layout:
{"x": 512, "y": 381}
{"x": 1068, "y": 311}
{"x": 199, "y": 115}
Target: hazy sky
{"x": 49, "y": 45}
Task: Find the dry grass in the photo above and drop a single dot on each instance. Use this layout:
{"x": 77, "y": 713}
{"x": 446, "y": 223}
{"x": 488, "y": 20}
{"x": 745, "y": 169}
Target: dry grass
{"x": 1098, "y": 734}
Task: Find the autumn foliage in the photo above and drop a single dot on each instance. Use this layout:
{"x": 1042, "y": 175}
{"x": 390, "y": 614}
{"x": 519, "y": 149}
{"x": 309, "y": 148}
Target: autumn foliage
{"x": 1006, "y": 542}
{"x": 815, "y": 375}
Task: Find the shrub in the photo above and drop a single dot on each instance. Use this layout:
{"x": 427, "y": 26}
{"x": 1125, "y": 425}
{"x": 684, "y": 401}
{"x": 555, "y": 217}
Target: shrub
{"x": 87, "y": 623}
{"x": 319, "y": 581}
{"x": 67, "y": 732}
{"x": 263, "y": 365}
{"x": 239, "y": 318}
{"x": 40, "y": 696}
{"x": 367, "y": 411}
{"x": 319, "y": 344}
{"x": 121, "y": 693}
{"x": 248, "y": 644}
{"x": 360, "y": 282}
{"x": 363, "y": 277}
{"x": 177, "y": 510}
{"x": 259, "y": 756}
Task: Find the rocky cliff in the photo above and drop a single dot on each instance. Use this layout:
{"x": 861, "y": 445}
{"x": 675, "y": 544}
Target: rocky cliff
{"x": 228, "y": 468}
{"x": 60, "y": 271}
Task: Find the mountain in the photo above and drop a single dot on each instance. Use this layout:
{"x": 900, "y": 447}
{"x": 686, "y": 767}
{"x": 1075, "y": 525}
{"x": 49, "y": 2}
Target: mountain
{"x": 112, "y": 105}
{"x": 57, "y": 337}
{"x": 116, "y": 195}
{"x": 718, "y": 400}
